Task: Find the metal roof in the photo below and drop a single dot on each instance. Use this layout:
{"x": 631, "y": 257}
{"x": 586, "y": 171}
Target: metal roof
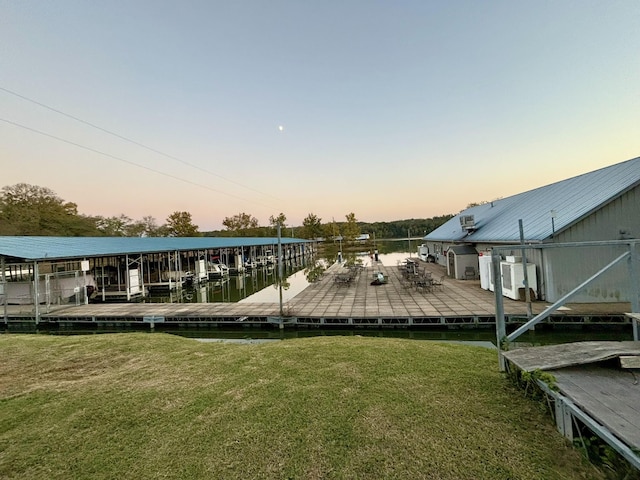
{"x": 571, "y": 200}
{"x": 52, "y": 248}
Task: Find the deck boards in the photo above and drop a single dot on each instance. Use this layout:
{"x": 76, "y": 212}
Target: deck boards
{"x": 551, "y": 357}
{"x": 610, "y": 396}
{"x": 590, "y": 375}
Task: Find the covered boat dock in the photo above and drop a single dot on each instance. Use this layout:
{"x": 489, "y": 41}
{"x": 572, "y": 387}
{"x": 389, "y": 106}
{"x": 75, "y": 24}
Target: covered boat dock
{"x": 46, "y": 272}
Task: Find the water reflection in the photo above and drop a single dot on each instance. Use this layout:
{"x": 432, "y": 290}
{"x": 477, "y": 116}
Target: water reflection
{"x": 260, "y": 284}
{"x": 234, "y": 288}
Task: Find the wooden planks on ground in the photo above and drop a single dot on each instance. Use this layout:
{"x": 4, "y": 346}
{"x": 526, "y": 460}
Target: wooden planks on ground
{"x": 589, "y": 375}
{"x": 551, "y": 357}
{"x": 610, "y": 396}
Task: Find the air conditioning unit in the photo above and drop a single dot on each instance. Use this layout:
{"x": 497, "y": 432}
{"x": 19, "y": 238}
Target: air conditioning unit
{"x": 467, "y": 222}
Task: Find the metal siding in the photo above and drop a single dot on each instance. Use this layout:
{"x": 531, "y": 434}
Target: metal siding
{"x": 623, "y": 213}
{"x": 565, "y": 268}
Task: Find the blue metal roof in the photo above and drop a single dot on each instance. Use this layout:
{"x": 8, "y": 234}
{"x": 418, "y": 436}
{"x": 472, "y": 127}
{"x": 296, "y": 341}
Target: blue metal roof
{"x": 571, "y": 200}
{"x": 50, "y": 248}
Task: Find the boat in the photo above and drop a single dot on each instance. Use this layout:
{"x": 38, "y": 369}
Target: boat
{"x": 52, "y": 290}
{"x": 169, "y": 280}
{"x": 250, "y": 265}
{"x": 216, "y": 271}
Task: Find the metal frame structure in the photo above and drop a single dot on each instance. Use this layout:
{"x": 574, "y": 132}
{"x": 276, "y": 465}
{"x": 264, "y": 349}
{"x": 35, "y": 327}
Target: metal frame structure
{"x": 632, "y": 256}
{"x": 566, "y": 412}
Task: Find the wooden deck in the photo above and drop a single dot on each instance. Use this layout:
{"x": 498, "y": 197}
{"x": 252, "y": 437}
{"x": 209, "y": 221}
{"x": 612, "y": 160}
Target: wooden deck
{"x": 590, "y": 376}
{"x": 359, "y": 303}
{"x": 457, "y": 298}
{"x": 610, "y": 396}
{"x": 554, "y": 357}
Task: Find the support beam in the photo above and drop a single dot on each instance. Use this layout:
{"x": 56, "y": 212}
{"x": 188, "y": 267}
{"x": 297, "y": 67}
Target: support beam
{"x": 634, "y": 286}
{"x": 127, "y": 280}
{"x": 501, "y": 330}
{"x": 3, "y": 290}
{"x": 36, "y": 291}
{"x": 523, "y": 250}
{"x": 280, "y": 275}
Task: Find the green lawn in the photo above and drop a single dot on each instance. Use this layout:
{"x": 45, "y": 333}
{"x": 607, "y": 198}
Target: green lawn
{"x": 149, "y": 406}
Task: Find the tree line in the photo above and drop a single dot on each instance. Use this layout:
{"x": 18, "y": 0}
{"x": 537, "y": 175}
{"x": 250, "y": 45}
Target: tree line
{"x": 33, "y": 210}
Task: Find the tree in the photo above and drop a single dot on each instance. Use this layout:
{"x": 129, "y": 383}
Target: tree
{"x": 351, "y": 229}
{"x": 240, "y": 224}
{"x": 331, "y": 230}
{"x": 150, "y": 226}
{"x": 32, "y": 210}
{"x": 119, "y": 226}
{"x": 312, "y": 226}
{"x": 279, "y": 220}
{"x": 180, "y": 224}
{"x": 147, "y": 227}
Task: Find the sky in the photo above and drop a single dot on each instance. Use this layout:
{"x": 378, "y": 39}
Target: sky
{"x": 386, "y": 109}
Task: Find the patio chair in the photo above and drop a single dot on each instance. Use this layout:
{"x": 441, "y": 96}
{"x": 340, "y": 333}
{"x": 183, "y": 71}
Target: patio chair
{"x": 438, "y": 283}
{"x": 423, "y": 284}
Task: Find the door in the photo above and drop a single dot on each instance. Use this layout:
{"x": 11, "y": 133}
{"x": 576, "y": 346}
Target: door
{"x": 451, "y": 267}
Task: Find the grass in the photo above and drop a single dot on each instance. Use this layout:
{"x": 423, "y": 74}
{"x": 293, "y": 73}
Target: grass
{"x": 149, "y": 406}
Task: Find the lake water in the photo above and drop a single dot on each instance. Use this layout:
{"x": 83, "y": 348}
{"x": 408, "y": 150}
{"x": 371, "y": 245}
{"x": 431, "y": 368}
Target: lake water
{"x": 260, "y": 285}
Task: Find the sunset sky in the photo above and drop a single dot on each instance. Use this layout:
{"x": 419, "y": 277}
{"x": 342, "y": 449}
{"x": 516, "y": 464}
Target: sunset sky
{"x": 390, "y": 110}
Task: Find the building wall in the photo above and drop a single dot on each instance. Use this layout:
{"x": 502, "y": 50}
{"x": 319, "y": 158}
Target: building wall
{"x": 439, "y": 249}
{"x": 566, "y": 268}
{"x": 618, "y": 220}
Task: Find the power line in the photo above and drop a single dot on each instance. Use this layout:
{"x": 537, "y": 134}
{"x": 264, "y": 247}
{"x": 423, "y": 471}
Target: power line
{"x": 126, "y": 139}
{"x": 129, "y": 162}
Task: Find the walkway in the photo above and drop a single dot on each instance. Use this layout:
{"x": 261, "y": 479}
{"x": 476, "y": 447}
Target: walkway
{"x": 324, "y": 302}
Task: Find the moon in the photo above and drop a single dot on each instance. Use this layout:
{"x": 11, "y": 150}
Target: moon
{"x": 280, "y": 128}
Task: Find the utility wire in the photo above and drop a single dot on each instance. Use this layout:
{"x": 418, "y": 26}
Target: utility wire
{"x": 133, "y": 142}
{"x": 129, "y": 162}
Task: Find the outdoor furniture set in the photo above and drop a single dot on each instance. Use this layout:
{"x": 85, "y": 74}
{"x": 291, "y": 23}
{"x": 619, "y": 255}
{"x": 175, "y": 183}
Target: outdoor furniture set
{"x": 347, "y": 276}
{"x": 414, "y": 276}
